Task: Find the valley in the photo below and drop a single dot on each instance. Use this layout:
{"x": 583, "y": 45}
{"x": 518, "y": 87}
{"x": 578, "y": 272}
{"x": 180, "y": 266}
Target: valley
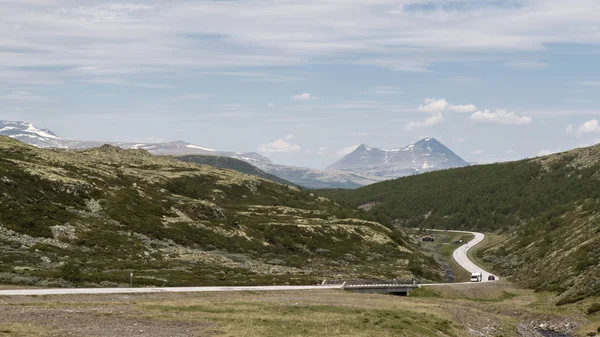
{"x": 94, "y": 217}
{"x": 546, "y": 207}
{"x": 90, "y": 217}
{"x": 199, "y": 168}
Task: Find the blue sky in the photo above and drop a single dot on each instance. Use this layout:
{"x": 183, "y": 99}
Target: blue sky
{"x": 304, "y": 82}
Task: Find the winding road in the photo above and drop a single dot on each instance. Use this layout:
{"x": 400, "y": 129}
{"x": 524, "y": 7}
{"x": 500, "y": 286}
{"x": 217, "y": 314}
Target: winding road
{"x": 460, "y": 255}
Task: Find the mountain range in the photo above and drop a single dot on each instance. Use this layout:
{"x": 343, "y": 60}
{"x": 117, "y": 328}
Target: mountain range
{"x": 364, "y": 166}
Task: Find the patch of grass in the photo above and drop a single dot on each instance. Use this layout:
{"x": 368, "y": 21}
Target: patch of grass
{"x": 427, "y": 292}
{"x": 594, "y": 308}
{"x": 505, "y": 296}
{"x": 25, "y": 330}
{"x": 271, "y": 319}
{"x": 442, "y": 248}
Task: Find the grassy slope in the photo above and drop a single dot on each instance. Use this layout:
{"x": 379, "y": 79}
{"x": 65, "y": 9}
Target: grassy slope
{"x": 548, "y": 207}
{"x": 89, "y": 217}
{"x": 232, "y": 164}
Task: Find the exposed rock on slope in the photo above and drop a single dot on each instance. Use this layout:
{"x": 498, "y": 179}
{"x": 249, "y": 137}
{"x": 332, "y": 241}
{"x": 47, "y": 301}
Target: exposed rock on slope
{"x": 92, "y": 216}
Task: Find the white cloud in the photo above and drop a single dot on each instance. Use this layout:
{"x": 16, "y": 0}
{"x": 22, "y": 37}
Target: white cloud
{"x": 547, "y": 152}
{"x": 477, "y": 152}
{"x": 322, "y": 150}
{"x": 569, "y": 129}
{"x": 362, "y": 134}
{"x": 44, "y": 37}
{"x": 21, "y": 96}
{"x": 271, "y": 105}
{"x": 427, "y": 122}
{"x": 590, "y": 83}
{"x": 500, "y": 117}
{"x": 281, "y": 145}
{"x": 347, "y": 150}
{"x": 433, "y": 105}
{"x": 463, "y": 108}
{"x": 527, "y": 65}
{"x": 384, "y": 91}
{"x": 192, "y": 96}
{"x": 459, "y": 140}
{"x": 150, "y": 139}
{"x": 304, "y": 97}
{"x": 401, "y": 35}
{"x": 590, "y": 126}
{"x": 436, "y": 107}
{"x": 120, "y": 81}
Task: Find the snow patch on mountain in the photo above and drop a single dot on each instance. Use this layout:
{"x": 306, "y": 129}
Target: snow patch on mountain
{"x": 199, "y": 148}
{"x": 424, "y": 156}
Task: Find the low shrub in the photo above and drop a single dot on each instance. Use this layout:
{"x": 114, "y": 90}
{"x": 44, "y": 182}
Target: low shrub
{"x": 594, "y": 308}
{"x": 71, "y": 271}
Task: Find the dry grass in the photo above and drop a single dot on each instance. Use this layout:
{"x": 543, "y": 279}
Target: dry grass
{"x": 455, "y": 310}
{"x": 326, "y": 313}
{"x": 25, "y": 330}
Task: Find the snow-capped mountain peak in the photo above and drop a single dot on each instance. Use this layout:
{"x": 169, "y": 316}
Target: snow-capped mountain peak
{"x": 28, "y": 133}
{"x": 425, "y": 155}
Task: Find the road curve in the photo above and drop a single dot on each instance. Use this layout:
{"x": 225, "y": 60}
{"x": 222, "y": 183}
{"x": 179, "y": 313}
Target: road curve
{"x": 460, "y": 254}
{"x": 96, "y": 291}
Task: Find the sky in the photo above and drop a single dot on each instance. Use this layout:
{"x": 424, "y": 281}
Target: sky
{"x": 304, "y": 82}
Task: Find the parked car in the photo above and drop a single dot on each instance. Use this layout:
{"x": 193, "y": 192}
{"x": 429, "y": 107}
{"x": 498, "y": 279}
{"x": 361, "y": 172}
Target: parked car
{"x": 476, "y": 277}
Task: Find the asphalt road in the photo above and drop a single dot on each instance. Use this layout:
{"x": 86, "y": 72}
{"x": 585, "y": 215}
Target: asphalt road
{"x": 94, "y": 291}
{"x": 460, "y": 254}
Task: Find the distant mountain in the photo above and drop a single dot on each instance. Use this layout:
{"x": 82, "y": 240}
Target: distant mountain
{"x": 232, "y": 164}
{"x": 43, "y": 138}
{"x": 424, "y": 156}
{"x": 314, "y": 178}
{"x": 28, "y": 133}
{"x": 548, "y": 209}
{"x": 306, "y": 177}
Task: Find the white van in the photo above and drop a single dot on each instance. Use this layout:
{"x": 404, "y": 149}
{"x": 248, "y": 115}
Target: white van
{"x": 476, "y": 277}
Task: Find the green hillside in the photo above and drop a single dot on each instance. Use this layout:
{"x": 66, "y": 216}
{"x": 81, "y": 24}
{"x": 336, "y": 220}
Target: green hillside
{"x": 232, "y": 164}
{"x": 548, "y": 207}
{"x": 90, "y": 217}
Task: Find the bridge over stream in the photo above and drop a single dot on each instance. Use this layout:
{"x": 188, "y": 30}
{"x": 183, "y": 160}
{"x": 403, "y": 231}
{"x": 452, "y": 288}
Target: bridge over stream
{"x": 391, "y": 287}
